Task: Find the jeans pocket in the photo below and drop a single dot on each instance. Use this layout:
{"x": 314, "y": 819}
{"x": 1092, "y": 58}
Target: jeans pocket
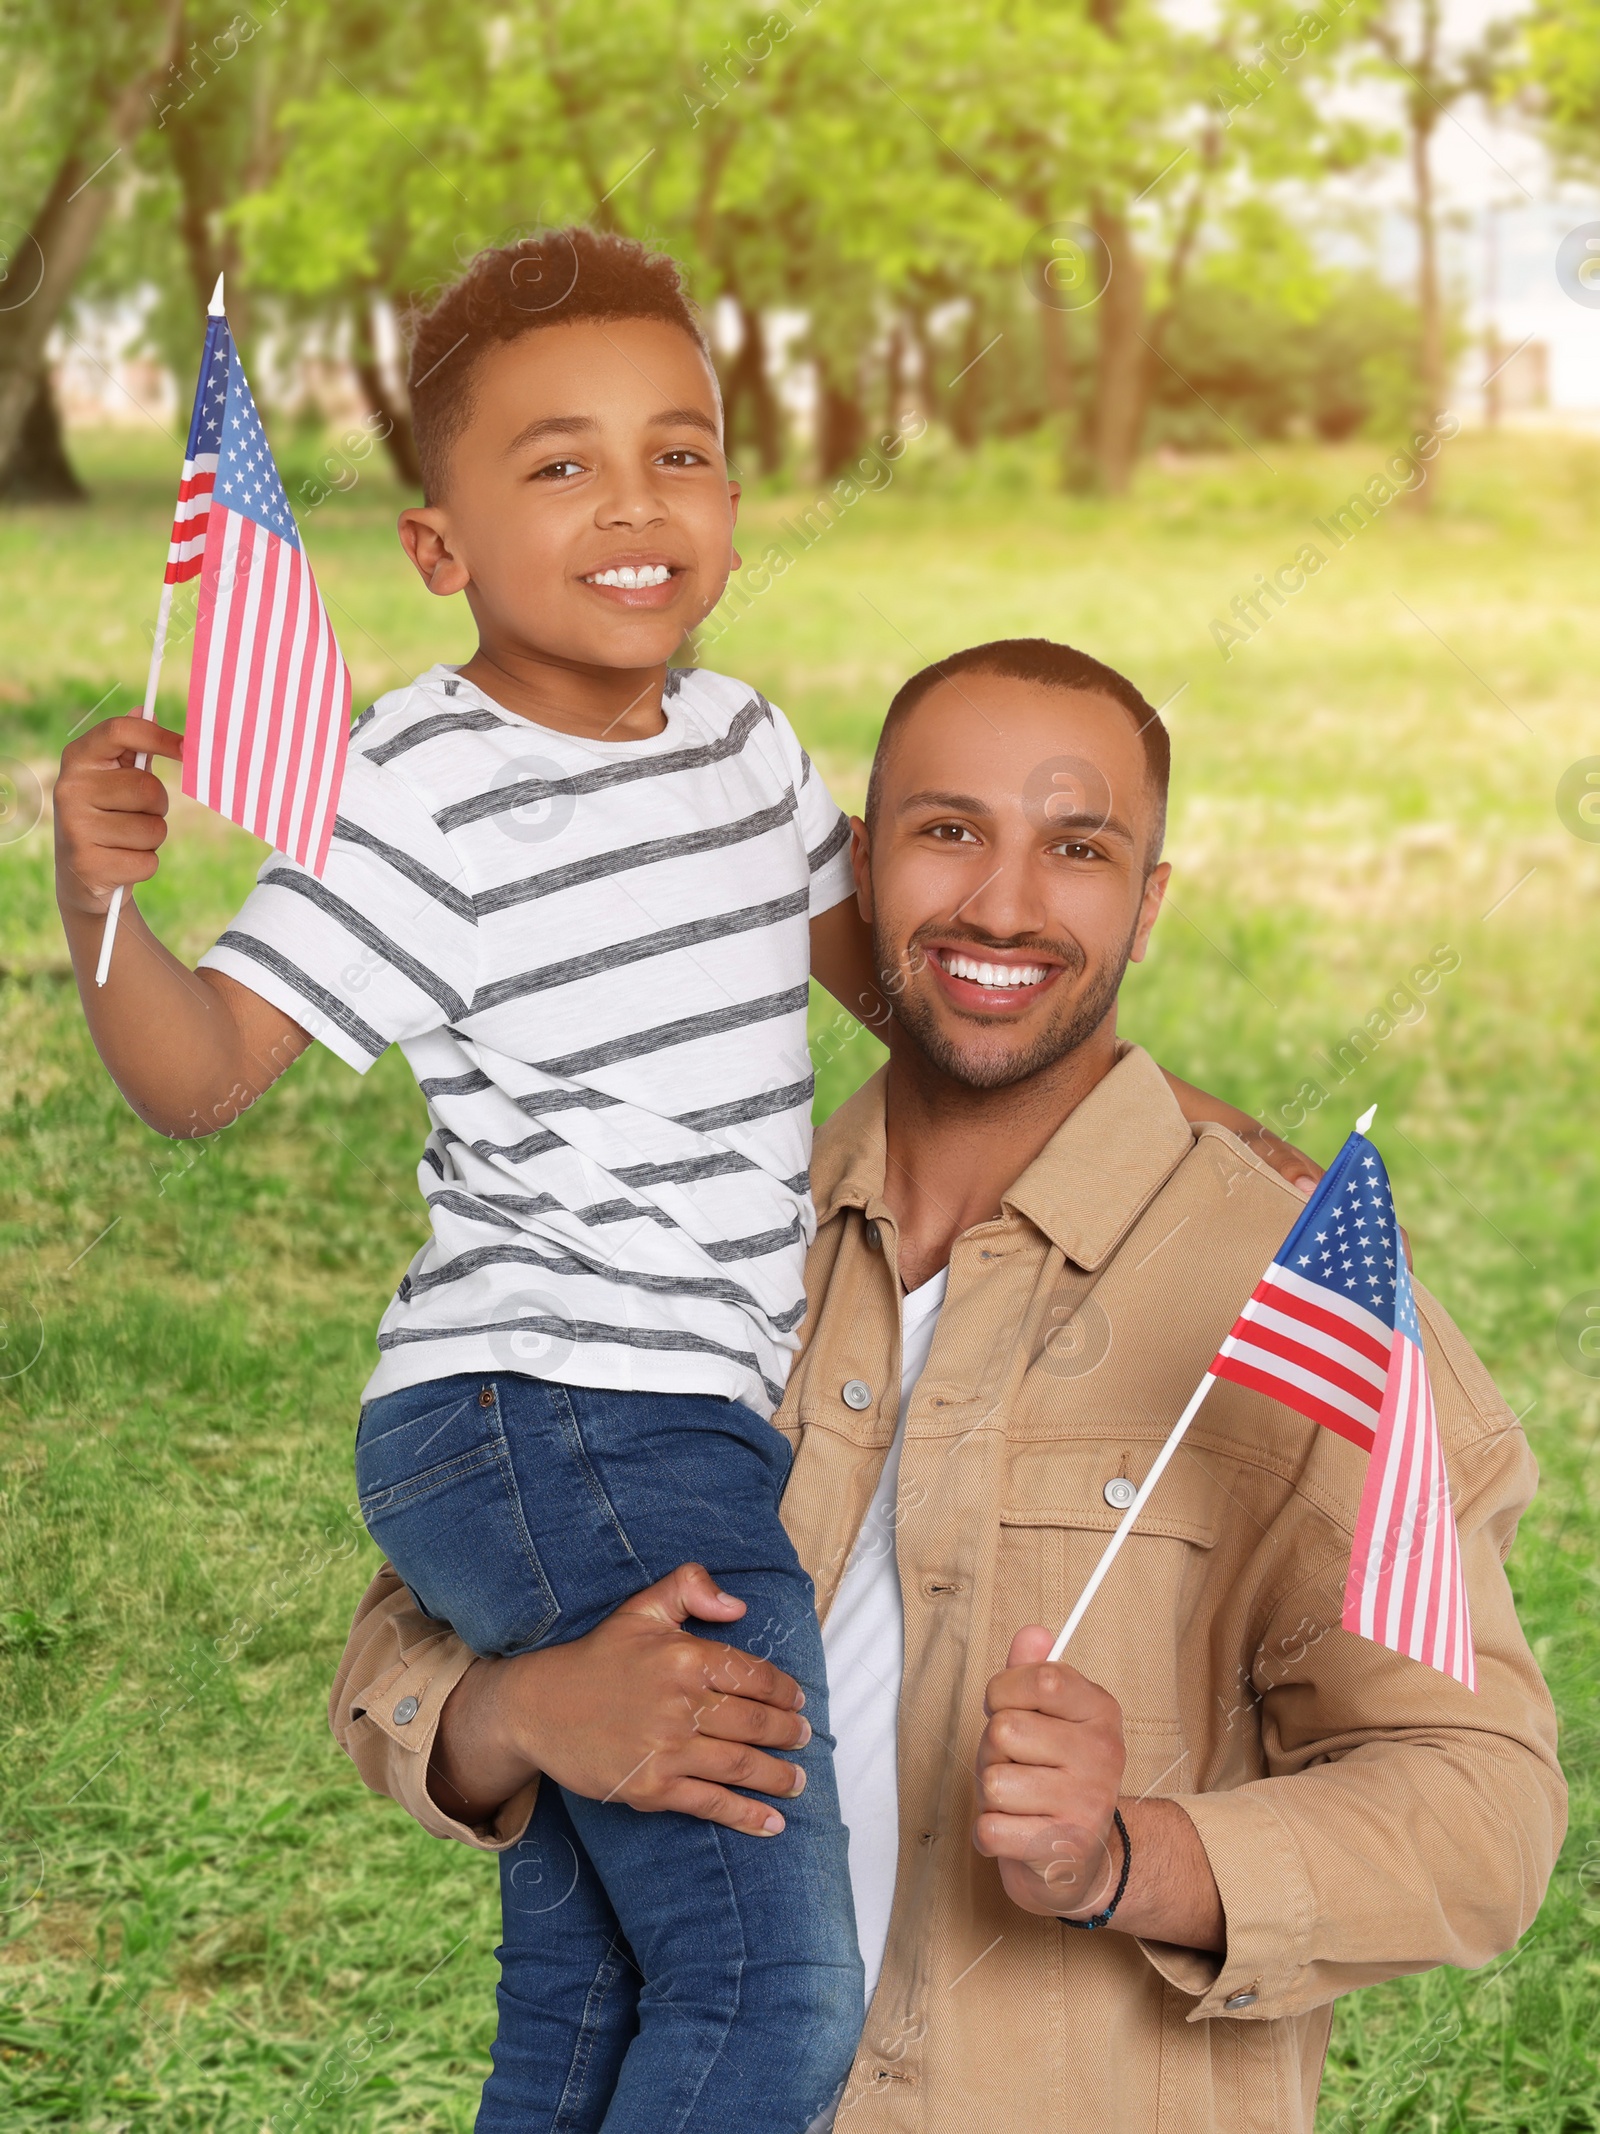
{"x": 440, "y": 1498}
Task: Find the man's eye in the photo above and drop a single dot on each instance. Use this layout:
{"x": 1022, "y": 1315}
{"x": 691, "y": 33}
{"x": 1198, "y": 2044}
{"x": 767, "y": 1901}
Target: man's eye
{"x": 952, "y": 833}
{"x": 558, "y": 470}
{"x": 1075, "y": 849}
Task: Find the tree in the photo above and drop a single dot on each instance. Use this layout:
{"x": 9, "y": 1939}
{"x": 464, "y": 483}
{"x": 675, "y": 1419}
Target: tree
{"x": 95, "y": 65}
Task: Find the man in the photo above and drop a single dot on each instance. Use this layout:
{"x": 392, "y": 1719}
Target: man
{"x": 1025, "y": 1260}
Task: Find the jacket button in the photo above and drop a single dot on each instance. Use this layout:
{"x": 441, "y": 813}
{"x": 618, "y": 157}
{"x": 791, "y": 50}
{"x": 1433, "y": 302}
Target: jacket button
{"x": 1238, "y": 2001}
{"x": 856, "y": 1393}
{"x": 874, "y": 1238}
{"x": 1119, "y": 1493}
{"x": 486, "y": 1397}
{"x": 405, "y": 1711}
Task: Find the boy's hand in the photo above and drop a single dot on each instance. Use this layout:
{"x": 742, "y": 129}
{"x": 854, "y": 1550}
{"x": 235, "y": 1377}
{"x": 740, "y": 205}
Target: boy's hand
{"x": 110, "y": 818}
{"x": 1289, "y": 1162}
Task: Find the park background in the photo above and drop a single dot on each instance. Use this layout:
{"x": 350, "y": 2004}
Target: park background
{"x": 1328, "y": 235}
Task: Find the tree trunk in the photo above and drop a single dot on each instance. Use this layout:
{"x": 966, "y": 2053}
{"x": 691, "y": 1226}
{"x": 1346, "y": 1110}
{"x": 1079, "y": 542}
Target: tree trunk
{"x": 41, "y": 275}
{"x": 1120, "y": 381}
{"x": 894, "y": 375}
{"x": 38, "y": 470}
{"x": 966, "y": 408}
{"x": 748, "y": 383}
{"x": 395, "y": 420}
{"x": 841, "y": 425}
{"x": 1428, "y": 306}
{"x": 927, "y": 365}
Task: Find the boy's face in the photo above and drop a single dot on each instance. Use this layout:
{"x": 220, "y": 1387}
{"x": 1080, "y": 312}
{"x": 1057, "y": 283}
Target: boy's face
{"x": 592, "y": 451}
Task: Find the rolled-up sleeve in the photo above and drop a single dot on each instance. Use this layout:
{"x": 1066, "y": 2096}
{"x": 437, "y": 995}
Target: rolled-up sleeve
{"x": 1406, "y": 1821}
{"x": 398, "y": 1668}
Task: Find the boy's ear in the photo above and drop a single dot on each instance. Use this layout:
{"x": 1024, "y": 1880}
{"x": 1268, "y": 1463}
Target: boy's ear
{"x": 425, "y": 536}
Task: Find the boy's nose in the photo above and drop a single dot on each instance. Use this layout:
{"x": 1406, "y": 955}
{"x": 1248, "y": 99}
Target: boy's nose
{"x": 631, "y": 500}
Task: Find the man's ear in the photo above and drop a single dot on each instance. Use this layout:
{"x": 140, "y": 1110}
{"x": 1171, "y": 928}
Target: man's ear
{"x": 1155, "y": 888}
{"x": 861, "y": 866}
{"x": 426, "y": 538}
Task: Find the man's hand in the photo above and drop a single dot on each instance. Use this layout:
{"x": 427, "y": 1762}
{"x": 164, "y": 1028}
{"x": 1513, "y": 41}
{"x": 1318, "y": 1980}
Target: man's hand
{"x": 1049, "y": 1773}
{"x": 110, "y": 818}
{"x": 1049, "y": 1768}
{"x": 639, "y": 1711}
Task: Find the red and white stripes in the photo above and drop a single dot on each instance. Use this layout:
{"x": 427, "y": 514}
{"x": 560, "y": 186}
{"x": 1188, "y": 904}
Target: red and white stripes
{"x": 1405, "y": 1588}
{"x": 269, "y": 692}
{"x": 186, "y": 550}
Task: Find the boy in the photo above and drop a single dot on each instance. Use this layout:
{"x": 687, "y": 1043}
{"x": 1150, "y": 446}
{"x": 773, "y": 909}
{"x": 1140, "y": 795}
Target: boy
{"x": 583, "y": 891}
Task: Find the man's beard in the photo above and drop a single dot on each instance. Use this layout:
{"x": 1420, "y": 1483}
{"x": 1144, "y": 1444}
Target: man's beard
{"x": 920, "y": 1019}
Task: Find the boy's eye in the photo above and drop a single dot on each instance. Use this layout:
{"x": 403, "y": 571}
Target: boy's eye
{"x": 558, "y": 470}
{"x": 683, "y": 456}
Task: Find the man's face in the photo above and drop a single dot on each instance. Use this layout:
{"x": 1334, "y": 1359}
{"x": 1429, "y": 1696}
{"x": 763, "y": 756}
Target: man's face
{"x": 592, "y": 449}
{"x": 1005, "y": 876}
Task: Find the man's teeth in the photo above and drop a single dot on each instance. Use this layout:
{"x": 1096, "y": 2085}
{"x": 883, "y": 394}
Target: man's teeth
{"x": 995, "y": 974}
{"x": 631, "y": 580}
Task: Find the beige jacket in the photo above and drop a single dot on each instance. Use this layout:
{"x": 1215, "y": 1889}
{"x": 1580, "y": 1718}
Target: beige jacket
{"x": 1364, "y": 1816}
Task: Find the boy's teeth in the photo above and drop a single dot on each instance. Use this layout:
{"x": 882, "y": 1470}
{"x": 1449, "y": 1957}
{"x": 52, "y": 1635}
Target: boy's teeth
{"x": 994, "y": 974}
{"x": 631, "y": 580}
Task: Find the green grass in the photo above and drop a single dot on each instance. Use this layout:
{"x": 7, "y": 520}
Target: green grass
{"x": 204, "y": 1923}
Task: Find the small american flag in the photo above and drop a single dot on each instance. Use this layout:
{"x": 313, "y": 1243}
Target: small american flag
{"x": 1332, "y": 1332}
{"x": 269, "y": 692}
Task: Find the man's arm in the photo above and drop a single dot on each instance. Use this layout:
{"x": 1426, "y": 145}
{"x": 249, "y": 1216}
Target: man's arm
{"x": 189, "y": 1050}
{"x": 1403, "y": 1821}
{"x": 1049, "y": 1773}
{"x": 638, "y": 1711}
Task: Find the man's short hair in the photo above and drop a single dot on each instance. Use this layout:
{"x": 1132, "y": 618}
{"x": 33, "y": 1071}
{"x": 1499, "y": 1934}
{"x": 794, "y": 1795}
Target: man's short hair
{"x": 551, "y": 280}
{"x": 1037, "y": 659}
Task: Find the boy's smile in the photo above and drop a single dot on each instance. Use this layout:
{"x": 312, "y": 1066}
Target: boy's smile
{"x": 588, "y": 517}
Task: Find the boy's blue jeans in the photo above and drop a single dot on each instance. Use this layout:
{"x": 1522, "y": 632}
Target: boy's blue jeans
{"x": 659, "y": 1974}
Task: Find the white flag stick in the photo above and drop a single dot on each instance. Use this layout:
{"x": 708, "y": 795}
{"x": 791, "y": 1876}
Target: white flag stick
{"x": 1125, "y": 1525}
{"x": 141, "y": 762}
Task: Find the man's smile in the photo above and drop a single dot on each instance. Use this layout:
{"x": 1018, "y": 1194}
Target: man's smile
{"x": 991, "y": 981}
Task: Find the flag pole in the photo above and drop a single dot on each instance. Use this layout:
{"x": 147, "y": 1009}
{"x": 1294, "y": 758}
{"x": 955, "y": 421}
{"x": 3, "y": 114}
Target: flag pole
{"x": 141, "y": 762}
{"x": 214, "y": 310}
{"x": 1174, "y": 1439}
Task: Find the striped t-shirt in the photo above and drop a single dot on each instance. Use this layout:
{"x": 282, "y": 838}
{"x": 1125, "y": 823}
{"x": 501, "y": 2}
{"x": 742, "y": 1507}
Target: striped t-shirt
{"x": 594, "y": 955}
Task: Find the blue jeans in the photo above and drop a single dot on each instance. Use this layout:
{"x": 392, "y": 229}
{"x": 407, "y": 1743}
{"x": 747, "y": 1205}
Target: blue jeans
{"x": 659, "y": 1974}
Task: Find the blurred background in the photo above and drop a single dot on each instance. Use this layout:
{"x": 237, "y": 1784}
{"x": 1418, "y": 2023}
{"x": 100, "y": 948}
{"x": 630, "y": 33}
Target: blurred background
{"x": 1252, "y": 348}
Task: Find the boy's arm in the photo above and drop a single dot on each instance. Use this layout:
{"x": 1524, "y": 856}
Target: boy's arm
{"x": 841, "y": 960}
{"x": 188, "y": 1049}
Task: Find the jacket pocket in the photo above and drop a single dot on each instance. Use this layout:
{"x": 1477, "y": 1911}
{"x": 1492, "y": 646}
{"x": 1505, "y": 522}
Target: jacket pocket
{"x": 439, "y": 1496}
{"x": 1131, "y": 1640}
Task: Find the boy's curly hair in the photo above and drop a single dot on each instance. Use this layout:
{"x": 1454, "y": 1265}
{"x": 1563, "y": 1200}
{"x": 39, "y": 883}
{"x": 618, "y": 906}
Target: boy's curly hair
{"x": 550, "y": 280}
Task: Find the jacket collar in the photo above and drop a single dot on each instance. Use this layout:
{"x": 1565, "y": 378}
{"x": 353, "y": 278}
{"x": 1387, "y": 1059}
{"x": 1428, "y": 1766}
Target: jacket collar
{"x": 1099, "y": 1169}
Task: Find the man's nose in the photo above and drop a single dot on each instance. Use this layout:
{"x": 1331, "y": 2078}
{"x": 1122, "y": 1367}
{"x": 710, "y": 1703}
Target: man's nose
{"x": 1008, "y": 900}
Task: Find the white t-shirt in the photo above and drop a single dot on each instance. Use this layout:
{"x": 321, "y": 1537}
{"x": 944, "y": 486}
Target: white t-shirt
{"x": 865, "y": 1642}
{"x": 594, "y": 955}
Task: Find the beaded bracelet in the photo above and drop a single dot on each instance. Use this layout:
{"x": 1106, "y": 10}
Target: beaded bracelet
{"x": 1100, "y": 1919}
